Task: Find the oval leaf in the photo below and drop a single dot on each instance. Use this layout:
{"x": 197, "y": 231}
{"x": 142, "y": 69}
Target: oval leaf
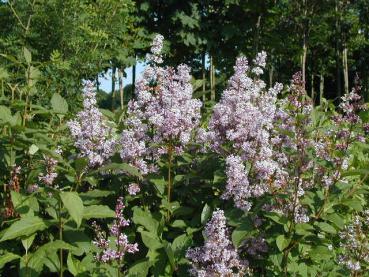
{"x": 74, "y": 205}
{"x": 98, "y": 211}
{"x": 24, "y": 227}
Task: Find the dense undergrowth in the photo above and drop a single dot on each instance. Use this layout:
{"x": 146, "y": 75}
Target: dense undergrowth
{"x": 261, "y": 183}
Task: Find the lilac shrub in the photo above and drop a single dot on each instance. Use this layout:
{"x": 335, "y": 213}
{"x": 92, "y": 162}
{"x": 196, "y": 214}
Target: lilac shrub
{"x": 93, "y": 137}
{"x": 217, "y": 257}
{"x": 163, "y": 114}
{"x": 284, "y": 159}
{"x": 115, "y": 246}
{"x": 240, "y": 129}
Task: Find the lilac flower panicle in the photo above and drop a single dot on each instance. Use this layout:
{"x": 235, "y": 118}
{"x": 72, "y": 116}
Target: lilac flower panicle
{"x": 244, "y": 119}
{"x": 93, "y": 137}
{"x": 51, "y": 174}
{"x": 354, "y": 243}
{"x": 238, "y": 186}
{"x": 217, "y": 257}
{"x": 156, "y": 48}
{"x": 109, "y": 253}
{"x": 133, "y": 189}
{"x": 162, "y": 113}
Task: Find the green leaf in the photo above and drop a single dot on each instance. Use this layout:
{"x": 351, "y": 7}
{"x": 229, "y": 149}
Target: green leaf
{"x": 59, "y": 104}
{"x": 282, "y": 242}
{"x": 336, "y": 220}
{"x": 5, "y": 114}
{"x": 78, "y": 239}
{"x": 27, "y": 242}
{"x": 24, "y": 227}
{"x": 3, "y": 74}
{"x": 98, "y": 211}
{"x": 180, "y": 245}
{"x": 327, "y": 227}
{"x": 46, "y": 254}
{"x": 239, "y": 234}
{"x": 159, "y": 183}
{"x": 96, "y": 193}
{"x": 120, "y": 167}
{"x": 16, "y": 198}
{"x": 34, "y": 74}
{"x": 304, "y": 229}
{"x": 354, "y": 204}
{"x": 276, "y": 217}
{"x": 71, "y": 265}
{"x": 33, "y": 149}
{"x": 205, "y": 214}
{"x": 170, "y": 254}
{"x": 138, "y": 269}
{"x": 151, "y": 240}
{"x": 74, "y": 205}
{"x": 80, "y": 165}
{"x": 179, "y": 223}
{"x": 320, "y": 253}
{"x": 144, "y": 218}
{"x": 7, "y": 257}
{"x": 51, "y": 260}
{"x": 27, "y": 55}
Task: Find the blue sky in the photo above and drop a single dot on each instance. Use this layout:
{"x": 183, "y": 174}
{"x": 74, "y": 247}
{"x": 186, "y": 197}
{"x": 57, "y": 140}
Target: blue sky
{"x": 105, "y": 80}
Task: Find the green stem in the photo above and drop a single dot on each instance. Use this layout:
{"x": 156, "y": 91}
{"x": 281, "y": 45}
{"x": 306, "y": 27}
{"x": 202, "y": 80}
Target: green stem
{"x": 170, "y": 157}
{"x": 60, "y": 238}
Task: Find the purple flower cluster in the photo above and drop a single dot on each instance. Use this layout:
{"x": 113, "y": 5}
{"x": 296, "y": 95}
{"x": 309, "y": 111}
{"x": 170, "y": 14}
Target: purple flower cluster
{"x": 51, "y": 174}
{"x": 93, "y": 137}
{"x": 355, "y": 244}
{"x": 133, "y": 188}
{"x": 291, "y": 139}
{"x": 116, "y": 250}
{"x": 217, "y": 257}
{"x": 156, "y": 47}
{"x": 240, "y": 128}
{"x": 256, "y": 247}
{"x": 296, "y": 137}
{"x": 162, "y": 115}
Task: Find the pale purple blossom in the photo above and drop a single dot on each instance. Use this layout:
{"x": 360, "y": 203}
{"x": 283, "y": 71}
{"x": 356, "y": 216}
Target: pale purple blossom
{"x": 163, "y": 114}
{"x": 51, "y": 174}
{"x": 156, "y": 48}
{"x": 133, "y": 188}
{"x": 217, "y": 257}
{"x": 93, "y": 137}
{"x": 116, "y": 245}
{"x": 240, "y": 129}
{"x": 355, "y": 244}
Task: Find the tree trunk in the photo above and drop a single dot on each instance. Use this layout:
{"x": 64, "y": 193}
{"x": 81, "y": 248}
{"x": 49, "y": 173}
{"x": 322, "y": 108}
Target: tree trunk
{"x": 257, "y": 34}
{"x": 345, "y": 70}
{"x": 97, "y": 83}
{"x": 312, "y": 90}
{"x": 203, "y": 77}
{"x": 338, "y": 67}
{"x": 271, "y": 75}
{"x": 303, "y": 60}
{"x": 304, "y": 43}
{"x": 212, "y": 80}
{"x": 133, "y": 78}
{"x": 121, "y": 88}
{"x": 321, "y": 88}
{"x": 113, "y": 87}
